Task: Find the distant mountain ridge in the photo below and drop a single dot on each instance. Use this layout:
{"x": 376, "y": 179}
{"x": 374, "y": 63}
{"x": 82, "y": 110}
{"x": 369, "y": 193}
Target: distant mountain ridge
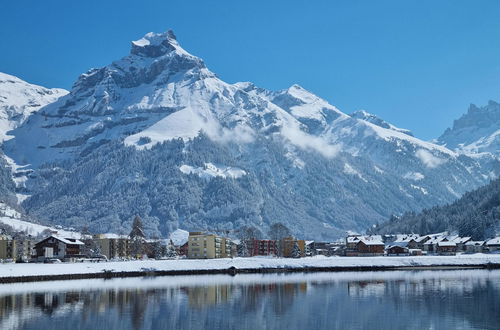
{"x": 477, "y": 131}
{"x": 156, "y": 133}
{"x": 476, "y": 214}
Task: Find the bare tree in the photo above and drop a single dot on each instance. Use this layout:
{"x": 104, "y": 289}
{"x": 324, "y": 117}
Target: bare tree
{"x": 278, "y": 232}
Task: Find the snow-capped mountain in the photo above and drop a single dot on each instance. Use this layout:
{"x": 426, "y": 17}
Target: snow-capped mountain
{"x": 366, "y": 116}
{"x": 477, "y": 131}
{"x": 19, "y": 99}
{"x": 156, "y": 133}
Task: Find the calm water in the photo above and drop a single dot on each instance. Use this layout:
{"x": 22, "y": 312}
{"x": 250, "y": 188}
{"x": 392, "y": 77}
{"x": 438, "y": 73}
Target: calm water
{"x": 467, "y": 299}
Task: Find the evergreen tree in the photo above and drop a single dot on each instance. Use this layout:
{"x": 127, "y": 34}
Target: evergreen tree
{"x": 137, "y": 237}
{"x": 171, "y": 250}
{"x": 137, "y": 228}
{"x": 296, "y": 253}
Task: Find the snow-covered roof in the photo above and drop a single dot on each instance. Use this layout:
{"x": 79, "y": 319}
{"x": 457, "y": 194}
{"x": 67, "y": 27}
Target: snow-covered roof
{"x": 421, "y": 238}
{"x": 475, "y": 243}
{"x": 400, "y": 244}
{"x": 67, "y": 240}
{"x": 448, "y": 243}
{"x": 494, "y": 241}
{"x": 459, "y": 240}
{"x": 372, "y": 240}
{"x": 112, "y": 236}
{"x": 406, "y": 238}
{"x": 179, "y": 237}
{"x": 397, "y": 244}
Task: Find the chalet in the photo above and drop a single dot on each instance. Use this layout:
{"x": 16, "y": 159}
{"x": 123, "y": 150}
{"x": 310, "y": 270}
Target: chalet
{"x": 325, "y": 248}
{"x": 474, "y": 247}
{"x": 420, "y": 241}
{"x": 461, "y": 241}
{"x": 370, "y": 246}
{"x": 58, "y": 247}
{"x": 397, "y": 250}
{"x": 430, "y": 246}
{"x": 493, "y": 244}
{"x": 446, "y": 248}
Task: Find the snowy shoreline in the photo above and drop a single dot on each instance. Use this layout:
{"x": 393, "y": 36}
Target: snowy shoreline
{"x": 10, "y": 273}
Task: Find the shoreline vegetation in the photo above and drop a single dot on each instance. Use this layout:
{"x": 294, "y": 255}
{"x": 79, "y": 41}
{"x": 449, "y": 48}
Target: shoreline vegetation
{"x": 14, "y": 273}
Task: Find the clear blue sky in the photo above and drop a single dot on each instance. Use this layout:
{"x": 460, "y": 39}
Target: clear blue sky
{"x": 417, "y": 64}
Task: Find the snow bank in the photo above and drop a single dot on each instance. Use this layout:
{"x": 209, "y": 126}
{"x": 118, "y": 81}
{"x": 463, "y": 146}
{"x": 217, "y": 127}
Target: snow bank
{"x": 14, "y": 270}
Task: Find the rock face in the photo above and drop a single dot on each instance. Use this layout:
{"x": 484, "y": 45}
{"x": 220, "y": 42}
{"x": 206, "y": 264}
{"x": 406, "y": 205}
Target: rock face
{"x": 19, "y": 99}
{"x": 477, "y": 131}
{"x": 156, "y": 133}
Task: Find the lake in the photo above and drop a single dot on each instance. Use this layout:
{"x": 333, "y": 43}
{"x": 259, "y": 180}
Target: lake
{"x": 447, "y": 299}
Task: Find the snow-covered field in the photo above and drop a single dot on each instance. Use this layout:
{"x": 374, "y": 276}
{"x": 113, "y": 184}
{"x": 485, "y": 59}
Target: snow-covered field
{"x": 15, "y": 270}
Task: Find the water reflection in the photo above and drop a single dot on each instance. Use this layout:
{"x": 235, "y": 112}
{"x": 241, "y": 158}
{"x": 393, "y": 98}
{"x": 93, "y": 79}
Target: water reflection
{"x": 383, "y": 300}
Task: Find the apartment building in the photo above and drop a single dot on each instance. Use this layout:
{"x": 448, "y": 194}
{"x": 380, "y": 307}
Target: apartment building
{"x": 208, "y": 246}
{"x": 113, "y": 246}
{"x": 7, "y": 247}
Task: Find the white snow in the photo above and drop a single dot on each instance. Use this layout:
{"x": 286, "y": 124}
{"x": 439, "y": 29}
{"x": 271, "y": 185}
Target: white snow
{"x": 19, "y": 99}
{"x": 415, "y": 176}
{"x": 423, "y": 190}
{"x": 179, "y": 237}
{"x": 12, "y": 217}
{"x": 9, "y": 270}
{"x": 211, "y": 171}
{"x": 348, "y": 169}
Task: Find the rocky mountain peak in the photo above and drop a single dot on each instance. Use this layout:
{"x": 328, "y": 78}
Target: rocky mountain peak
{"x": 155, "y": 44}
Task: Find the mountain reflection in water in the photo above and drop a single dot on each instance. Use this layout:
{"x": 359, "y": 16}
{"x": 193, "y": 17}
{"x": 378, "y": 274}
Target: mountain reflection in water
{"x": 465, "y": 299}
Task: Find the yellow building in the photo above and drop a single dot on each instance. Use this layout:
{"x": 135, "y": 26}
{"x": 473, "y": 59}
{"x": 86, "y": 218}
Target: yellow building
{"x": 7, "y": 247}
{"x": 24, "y": 248}
{"x": 208, "y": 246}
{"x": 113, "y": 246}
{"x": 288, "y": 244}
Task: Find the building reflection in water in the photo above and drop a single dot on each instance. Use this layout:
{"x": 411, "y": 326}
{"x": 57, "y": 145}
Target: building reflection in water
{"x": 296, "y": 304}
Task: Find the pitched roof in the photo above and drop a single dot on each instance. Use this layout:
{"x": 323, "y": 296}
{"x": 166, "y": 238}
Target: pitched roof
{"x": 475, "y": 243}
{"x": 65, "y": 240}
{"x": 448, "y": 243}
{"x": 494, "y": 241}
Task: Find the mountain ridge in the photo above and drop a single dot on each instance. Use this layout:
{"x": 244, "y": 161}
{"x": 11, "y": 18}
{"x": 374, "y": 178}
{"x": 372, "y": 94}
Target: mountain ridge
{"x": 156, "y": 132}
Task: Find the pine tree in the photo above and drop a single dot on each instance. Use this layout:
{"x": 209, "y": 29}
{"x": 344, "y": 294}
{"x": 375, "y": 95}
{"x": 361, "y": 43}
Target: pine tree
{"x": 171, "y": 251}
{"x": 296, "y": 253}
{"x": 137, "y": 238}
{"x": 137, "y": 228}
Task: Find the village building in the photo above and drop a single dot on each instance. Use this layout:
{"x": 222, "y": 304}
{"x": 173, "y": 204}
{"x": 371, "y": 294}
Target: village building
{"x": 208, "y": 246}
{"x": 290, "y": 244}
{"x": 493, "y": 244}
{"x": 461, "y": 241}
{"x": 364, "y": 245}
{"x": 262, "y": 247}
{"x": 59, "y": 248}
{"x": 183, "y": 249}
{"x": 24, "y": 249}
{"x": 397, "y": 249}
{"x": 474, "y": 247}
{"x": 446, "y": 248}
{"x": 370, "y": 247}
{"x": 113, "y": 246}
{"x": 7, "y": 247}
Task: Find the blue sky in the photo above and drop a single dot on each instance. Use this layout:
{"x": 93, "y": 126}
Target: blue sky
{"x": 417, "y": 64}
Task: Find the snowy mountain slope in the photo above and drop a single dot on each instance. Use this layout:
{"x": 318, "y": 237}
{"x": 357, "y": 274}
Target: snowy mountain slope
{"x": 366, "y": 116}
{"x": 142, "y": 135}
{"x": 476, "y": 132}
{"x": 19, "y": 99}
